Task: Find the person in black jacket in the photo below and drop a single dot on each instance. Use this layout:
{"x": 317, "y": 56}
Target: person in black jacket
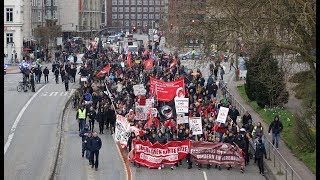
{"x": 83, "y": 135}
{"x": 92, "y": 116}
{"x": 161, "y": 139}
{"x": 101, "y": 119}
{"x": 111, "y": 116}
{"x": 95, "y": 146}
{"x": 260, "y": 151}
{"x": 56, "y": 74}
{"x": 66, "y": 81}
{"x": 32, "y": 82}
{"x": 276, "y": 127}
{"x": 245, "y": 118}
{"x": 46, "y": 74}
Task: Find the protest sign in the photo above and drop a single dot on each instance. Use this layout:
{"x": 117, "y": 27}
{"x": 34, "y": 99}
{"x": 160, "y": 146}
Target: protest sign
{"x": 216, "y": 153}
{"x": 149, "y": 102}
{"x": 154, "y": 112}
{"x": 222, "y": 115}
{"x": 182, "y": 105}
{"x": 195, "y": 125}
{"x": 153, "y": 155}
{"x": 83, "y": 79}
{"x": 166, "y": 91}
{"x": 141, "y": 112}
{"x": 139, "y": 89}
{"x": 182, "y": 119}
{"x": 122, "y": 131}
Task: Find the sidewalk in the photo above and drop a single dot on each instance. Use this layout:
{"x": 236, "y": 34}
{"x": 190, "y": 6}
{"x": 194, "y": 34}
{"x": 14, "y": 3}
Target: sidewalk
{"x": 286, "y": 153}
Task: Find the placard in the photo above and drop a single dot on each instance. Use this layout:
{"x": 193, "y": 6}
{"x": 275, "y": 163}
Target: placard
{"x": 122, "y": 130}
{"x": 195, "y": 125}
{"x": 83, "y": 79}
{"x": 154, "y": 112}
{"x": 182, "y": 119}
{"x": 149, "y": 102}
{"x": 139, "y": 89}
{"x": 222, "y": 115}
{"x": 141, "y": 112}
{"x": 182, "y": 105}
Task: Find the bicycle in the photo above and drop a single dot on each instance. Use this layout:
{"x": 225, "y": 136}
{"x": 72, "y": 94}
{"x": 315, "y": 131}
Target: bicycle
{"x": 24, "y": 86}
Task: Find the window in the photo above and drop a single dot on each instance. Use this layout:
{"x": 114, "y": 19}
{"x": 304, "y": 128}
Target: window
{"x": 114, "y": 2}
{"x": 162, "y": 2}
{"x": 48, "y": 14}
{"x": 48, "y": 2}
{"x": 114, "y": 9}
{"x": 54, "y": 14}
{"x": 133, "y": 2}
{"x": 114, "y": 16}
{"x": 133, "y": 16}
{"x": 139, "y": 9}
{"x": 39, "y": 2}
{"x": 145, "y": 9}
{"x": 145, "y": 23}
{"x": 157, "y": 16}
{"x": 139, "y": 2}
{"x": 145, "y": 2}
{"x": 133, "y": 23}
{"x": 39, "y": 16}
{"x": 126, "y": 23}
{"x": 139, "y": 23}
{"x": 126, "y": 2}
{"x": 151, "y": 9}
{"x": 133, "y": 9}
{"x": 120, "y": 16}
{"x": 120, "y": 23}
{"x": 126, "y": 16}
{"x": 9, "y": 38}
{"x": 151, "y": 16}
{"x": 120, "y": 9}
{"x": 9, "y": 14}
{"x": 157, "y": 2}
{"x": 55, "y": 3}
{"x": 139, "y": 16}
{"x": 151, "y": 2}
{"x": 157, "y": 9}
{"x": 120, "y": 2}
{"x": 145, "y": 16}
{"x": 126, "y": 9}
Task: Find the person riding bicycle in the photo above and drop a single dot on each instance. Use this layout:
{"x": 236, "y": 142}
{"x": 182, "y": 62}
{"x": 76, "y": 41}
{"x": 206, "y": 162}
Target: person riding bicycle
{"x": 56, "y": 74}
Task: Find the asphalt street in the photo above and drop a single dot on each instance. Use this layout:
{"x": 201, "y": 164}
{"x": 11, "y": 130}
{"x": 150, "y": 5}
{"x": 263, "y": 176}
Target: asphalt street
{"x": 31, "y": 124}
{"x": 73, "y": 166}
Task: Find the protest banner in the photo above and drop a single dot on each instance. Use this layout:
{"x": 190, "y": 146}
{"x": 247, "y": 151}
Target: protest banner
{"x": 139, "y": 89}
{"x": 216, "y": 153}
{"x": 195, "y": 125}
{"x": 122, "y": 130}
{"x": 182, "y": 119}
{"x": 166, "y": 91}
{"x": 153, "y": 155}
{"x": 141, "y": 113}
{"x": 182, "y": 105}
{"x": 222, "y": 115}
{"x": 83, "y": 79}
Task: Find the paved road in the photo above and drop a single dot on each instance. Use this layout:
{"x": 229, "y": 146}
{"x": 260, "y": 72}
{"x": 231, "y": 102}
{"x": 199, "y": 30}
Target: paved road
{"x": 31, "y": 139}
{"x": 73, "y": 166}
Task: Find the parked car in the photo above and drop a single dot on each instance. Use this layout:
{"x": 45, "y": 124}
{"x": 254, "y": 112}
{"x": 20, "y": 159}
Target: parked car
{"x": 188, "y": 55}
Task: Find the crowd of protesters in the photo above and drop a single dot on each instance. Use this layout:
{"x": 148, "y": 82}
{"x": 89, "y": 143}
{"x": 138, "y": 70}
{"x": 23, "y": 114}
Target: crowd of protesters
{"x": 101, "y": 97}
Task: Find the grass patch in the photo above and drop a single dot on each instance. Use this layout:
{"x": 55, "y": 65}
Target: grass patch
{"x": 286, "y": 117}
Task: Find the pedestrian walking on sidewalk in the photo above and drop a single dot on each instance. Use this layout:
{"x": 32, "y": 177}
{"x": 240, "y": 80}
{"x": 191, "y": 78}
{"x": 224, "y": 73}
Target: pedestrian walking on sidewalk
{"x": 222, "y": 72}
{"x": 81, "y": 117}
{"x": 46, "y": 75}
{"x": 260, "y": 151}
{"x": 95, "y": 146}
{"x": 276, "y": 127}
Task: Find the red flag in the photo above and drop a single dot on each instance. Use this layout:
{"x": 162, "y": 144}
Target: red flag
{"x": 129, "y": 62}
{"x": 104, "y": 70}
{"x": 174, "y": 63}
{"x": 166, "y": 91}
{"x": 148, "y": 63}
{"x": 149, "y": 122}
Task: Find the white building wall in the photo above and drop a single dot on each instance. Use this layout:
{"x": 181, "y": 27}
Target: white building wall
{"x": 14, "y": 27}
{"x": 68, "y": 15}
{"x": 27, "y": 28}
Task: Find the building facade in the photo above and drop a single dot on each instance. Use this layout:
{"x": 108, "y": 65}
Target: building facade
{"x": 135, "y": 14}
{"x": 13, "y": 32}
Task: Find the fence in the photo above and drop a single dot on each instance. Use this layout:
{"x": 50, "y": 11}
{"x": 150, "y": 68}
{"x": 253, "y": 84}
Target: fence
{"x": 279, "y": 163}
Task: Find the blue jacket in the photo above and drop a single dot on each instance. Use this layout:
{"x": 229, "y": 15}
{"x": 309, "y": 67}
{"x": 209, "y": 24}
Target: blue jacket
{"x": 95, "y": 144}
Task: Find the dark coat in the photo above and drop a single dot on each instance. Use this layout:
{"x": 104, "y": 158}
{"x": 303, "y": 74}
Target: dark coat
{"x": 260, "y": 150}
{"x": 46, "y": 71}
{"x": 95, "y": 143}
{"x": 82, "y": 132}
{"x": 92, "y": 114}
{"x": 276, "y": 127}
{"x": 162, "y": 139}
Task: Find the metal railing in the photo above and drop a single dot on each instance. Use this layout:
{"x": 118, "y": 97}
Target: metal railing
{"x": 279, "y": 163}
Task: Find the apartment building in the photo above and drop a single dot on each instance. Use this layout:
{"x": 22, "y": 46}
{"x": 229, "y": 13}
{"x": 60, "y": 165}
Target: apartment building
{"x": 13, "y": 30}
{"x": 135, "y": 14}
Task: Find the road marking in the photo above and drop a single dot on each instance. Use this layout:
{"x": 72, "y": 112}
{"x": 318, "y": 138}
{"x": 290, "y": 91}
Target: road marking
{"x": 64, "y": 93}
{"x": 205, "y": 175}
{"x": 53, "y": 93}
{"x": 15, "y": 124}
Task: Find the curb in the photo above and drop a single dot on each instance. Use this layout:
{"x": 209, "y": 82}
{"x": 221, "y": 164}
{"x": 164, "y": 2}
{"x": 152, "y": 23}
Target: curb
{"x": 125, "y": 161}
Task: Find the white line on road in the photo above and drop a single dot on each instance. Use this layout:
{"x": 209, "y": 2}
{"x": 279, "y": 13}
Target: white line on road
{"x": 15, "y": 124}
{"x": 205, "y": 175}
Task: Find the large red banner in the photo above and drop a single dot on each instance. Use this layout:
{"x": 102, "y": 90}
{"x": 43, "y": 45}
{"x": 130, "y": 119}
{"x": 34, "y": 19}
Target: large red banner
{"x": 216, "y": 153}
{"x": 153, "y": 155}
{"x": 166, "y": 91}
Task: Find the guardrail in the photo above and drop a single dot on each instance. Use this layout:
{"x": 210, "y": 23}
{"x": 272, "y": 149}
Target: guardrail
{"x": 279, "y": 163}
